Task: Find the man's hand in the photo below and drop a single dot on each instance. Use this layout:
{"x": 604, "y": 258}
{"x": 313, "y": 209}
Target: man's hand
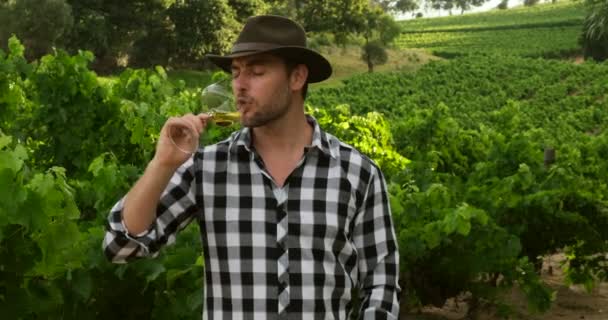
{"x": 179, "y": 139}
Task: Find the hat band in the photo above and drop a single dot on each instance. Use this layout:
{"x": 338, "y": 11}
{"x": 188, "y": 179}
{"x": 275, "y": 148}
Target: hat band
{"x": 256, "y": 46}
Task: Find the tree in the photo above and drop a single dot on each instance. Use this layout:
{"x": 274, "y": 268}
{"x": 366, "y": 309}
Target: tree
{"x": 379, "y": 30}
{"x": 247, "y": 8}
{"x": 142, "y": 33}
{"x": 339, "y": 17}
{"x": 529, "y": 3}
{"x": 373, "y": 53}
{"x": 595, "y": 30}
{"x": 463, "y": 5}
{"x": 109, "y": 28}
{"x": 201, "y": 27}
{"x": 39, "y": 24}
{"x": 402, "y": 6}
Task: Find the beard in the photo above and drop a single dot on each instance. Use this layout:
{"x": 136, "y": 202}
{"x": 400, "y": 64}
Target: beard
{"x": 270, "y": 112}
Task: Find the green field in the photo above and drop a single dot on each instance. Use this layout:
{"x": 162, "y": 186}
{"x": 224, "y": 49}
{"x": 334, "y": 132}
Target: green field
{"x": 566, "y": 12}
{"x": 549, "y": 30}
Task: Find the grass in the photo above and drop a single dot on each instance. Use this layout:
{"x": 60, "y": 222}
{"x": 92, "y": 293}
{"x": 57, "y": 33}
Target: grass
{"x": 563, "y": 12}
{"x": 545, "y": 30}
{"x": 347, "y": 62}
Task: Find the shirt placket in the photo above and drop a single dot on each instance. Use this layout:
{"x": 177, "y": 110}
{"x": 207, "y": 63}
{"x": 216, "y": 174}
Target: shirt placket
{"x": 283, "y": 261}
{"x": 281, "y": 195}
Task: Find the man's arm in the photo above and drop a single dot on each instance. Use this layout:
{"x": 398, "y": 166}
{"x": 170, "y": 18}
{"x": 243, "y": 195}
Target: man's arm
{"x": 374, "y": 238}
{"x": 162, "y": 201}
{"x": 139, "y": 209}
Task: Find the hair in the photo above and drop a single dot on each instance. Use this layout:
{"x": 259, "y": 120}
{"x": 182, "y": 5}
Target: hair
{"x": 290, "y": 66}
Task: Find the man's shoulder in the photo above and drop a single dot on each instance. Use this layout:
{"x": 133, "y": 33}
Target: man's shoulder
{"x": 216, "y": 149}
{"x": 351, "y": 157}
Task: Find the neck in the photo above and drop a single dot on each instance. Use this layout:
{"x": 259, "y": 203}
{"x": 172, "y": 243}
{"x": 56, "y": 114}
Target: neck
{"x": 290, "y": 134}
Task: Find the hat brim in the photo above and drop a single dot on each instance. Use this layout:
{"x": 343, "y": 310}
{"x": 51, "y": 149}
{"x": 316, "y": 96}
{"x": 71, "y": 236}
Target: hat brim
{"x": 319, "y": 68}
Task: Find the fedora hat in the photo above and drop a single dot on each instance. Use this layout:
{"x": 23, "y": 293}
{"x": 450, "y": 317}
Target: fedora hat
{"x": 277, "y": 35}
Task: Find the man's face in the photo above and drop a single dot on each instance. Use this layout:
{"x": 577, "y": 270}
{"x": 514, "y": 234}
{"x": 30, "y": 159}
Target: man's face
{"x": 261, "y": 88}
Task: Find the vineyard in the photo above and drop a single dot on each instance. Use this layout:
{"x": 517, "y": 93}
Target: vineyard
{"x": 560, "y": 13}
{"x": 548, "y": 31}
{"x": 494, "y": 161}
{"x": 480, "y": 193}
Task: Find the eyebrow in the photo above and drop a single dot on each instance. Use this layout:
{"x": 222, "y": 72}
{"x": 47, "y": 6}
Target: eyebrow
{"x": 255, "y": 62}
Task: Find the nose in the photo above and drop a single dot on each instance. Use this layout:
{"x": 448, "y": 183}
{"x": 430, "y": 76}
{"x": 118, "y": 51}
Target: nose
{"x": 239, "y": 84}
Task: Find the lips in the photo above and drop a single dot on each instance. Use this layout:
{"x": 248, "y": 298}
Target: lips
{"x": 242, "y": 102}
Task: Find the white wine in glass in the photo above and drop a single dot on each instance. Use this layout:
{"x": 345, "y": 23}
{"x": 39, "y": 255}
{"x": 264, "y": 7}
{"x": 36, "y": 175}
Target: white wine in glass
{"x": 218, "y": 100}
{"x": 225, "y": 118}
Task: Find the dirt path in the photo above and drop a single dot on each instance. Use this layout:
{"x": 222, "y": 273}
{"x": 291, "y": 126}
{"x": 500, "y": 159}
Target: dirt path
{"x": 571, "y": 303}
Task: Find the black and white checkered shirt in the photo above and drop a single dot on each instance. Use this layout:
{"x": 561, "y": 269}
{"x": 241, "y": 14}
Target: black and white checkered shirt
{"x": 279, "y": 253}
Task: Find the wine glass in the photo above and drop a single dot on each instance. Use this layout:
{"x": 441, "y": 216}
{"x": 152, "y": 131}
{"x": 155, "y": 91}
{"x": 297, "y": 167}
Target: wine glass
{"x": 218, "y": 102}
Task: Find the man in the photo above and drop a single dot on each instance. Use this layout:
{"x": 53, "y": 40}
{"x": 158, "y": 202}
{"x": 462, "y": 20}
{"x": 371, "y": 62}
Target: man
{"x": 291, "y": 218}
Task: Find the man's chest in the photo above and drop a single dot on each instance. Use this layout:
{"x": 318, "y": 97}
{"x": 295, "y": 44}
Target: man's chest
{"x": 242, "y": 206}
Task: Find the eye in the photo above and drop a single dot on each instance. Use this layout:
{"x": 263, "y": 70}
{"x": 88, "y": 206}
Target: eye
{"x": 258, "y": 70}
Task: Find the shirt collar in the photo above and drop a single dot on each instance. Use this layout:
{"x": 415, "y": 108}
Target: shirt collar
{"x": 241, "y": 140}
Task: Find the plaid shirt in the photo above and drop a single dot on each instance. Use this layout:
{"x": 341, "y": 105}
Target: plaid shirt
{"x": 279, "y": 253}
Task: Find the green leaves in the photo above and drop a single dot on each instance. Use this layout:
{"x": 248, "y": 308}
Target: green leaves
{"x": 370, "y": 134}
{"x": 461, "y": 143}
{"x": 595, "y": 30}
{"x": 549, "y": 30}
{"x": 15, "y": 48}
{"x": 459, "y": 220}
{"x": 477, "y": 198}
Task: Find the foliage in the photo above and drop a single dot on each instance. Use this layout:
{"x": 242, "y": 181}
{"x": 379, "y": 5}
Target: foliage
{"x": 109, "y": 28}
{"x": 176, "y": 33}
{"x": 39, "y": 235}
{"x": 398, "y": 5}
{"x": 379, "y": 30}
{"x": 595, "y": 31}
{"x": 202, "y": 27}
{"x": 134, "y": 33}
{"x": 374, "y": 54}
{"x": 529, "y": 3}
{"x": 463, "y": 5}
{"x": 477, "y": 203}
{"x": 547, "y": 30}
{"x": 340, "y": 17}
{"x": 475, "y": 206}
{"x": 52, "y": 218}
{"x": 247, "y": 8}
{"x": 41, "y": 25}
{"x": 369, "y": 133}
{"x": 566, "y": 13}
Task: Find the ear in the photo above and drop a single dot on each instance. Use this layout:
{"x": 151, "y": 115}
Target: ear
{"x": 298, "y": 77}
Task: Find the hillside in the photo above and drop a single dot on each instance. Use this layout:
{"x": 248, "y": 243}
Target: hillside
{"x": 545, "y": 30}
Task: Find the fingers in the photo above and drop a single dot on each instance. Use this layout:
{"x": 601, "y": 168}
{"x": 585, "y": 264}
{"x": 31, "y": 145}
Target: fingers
{"x": 193, "y": 123}
{"x": 204, "y": 118}
{"x": 200, "y": 120}
{"x": 180, "y": 133}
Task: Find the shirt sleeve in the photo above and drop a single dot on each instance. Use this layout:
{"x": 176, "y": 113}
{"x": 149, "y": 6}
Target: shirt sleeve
{"x": 175, "y": 210}
{"x": 378, "y": 255}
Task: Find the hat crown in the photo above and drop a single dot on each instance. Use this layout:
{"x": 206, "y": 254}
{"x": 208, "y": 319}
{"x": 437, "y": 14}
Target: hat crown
{"x": 271, "y": 29}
